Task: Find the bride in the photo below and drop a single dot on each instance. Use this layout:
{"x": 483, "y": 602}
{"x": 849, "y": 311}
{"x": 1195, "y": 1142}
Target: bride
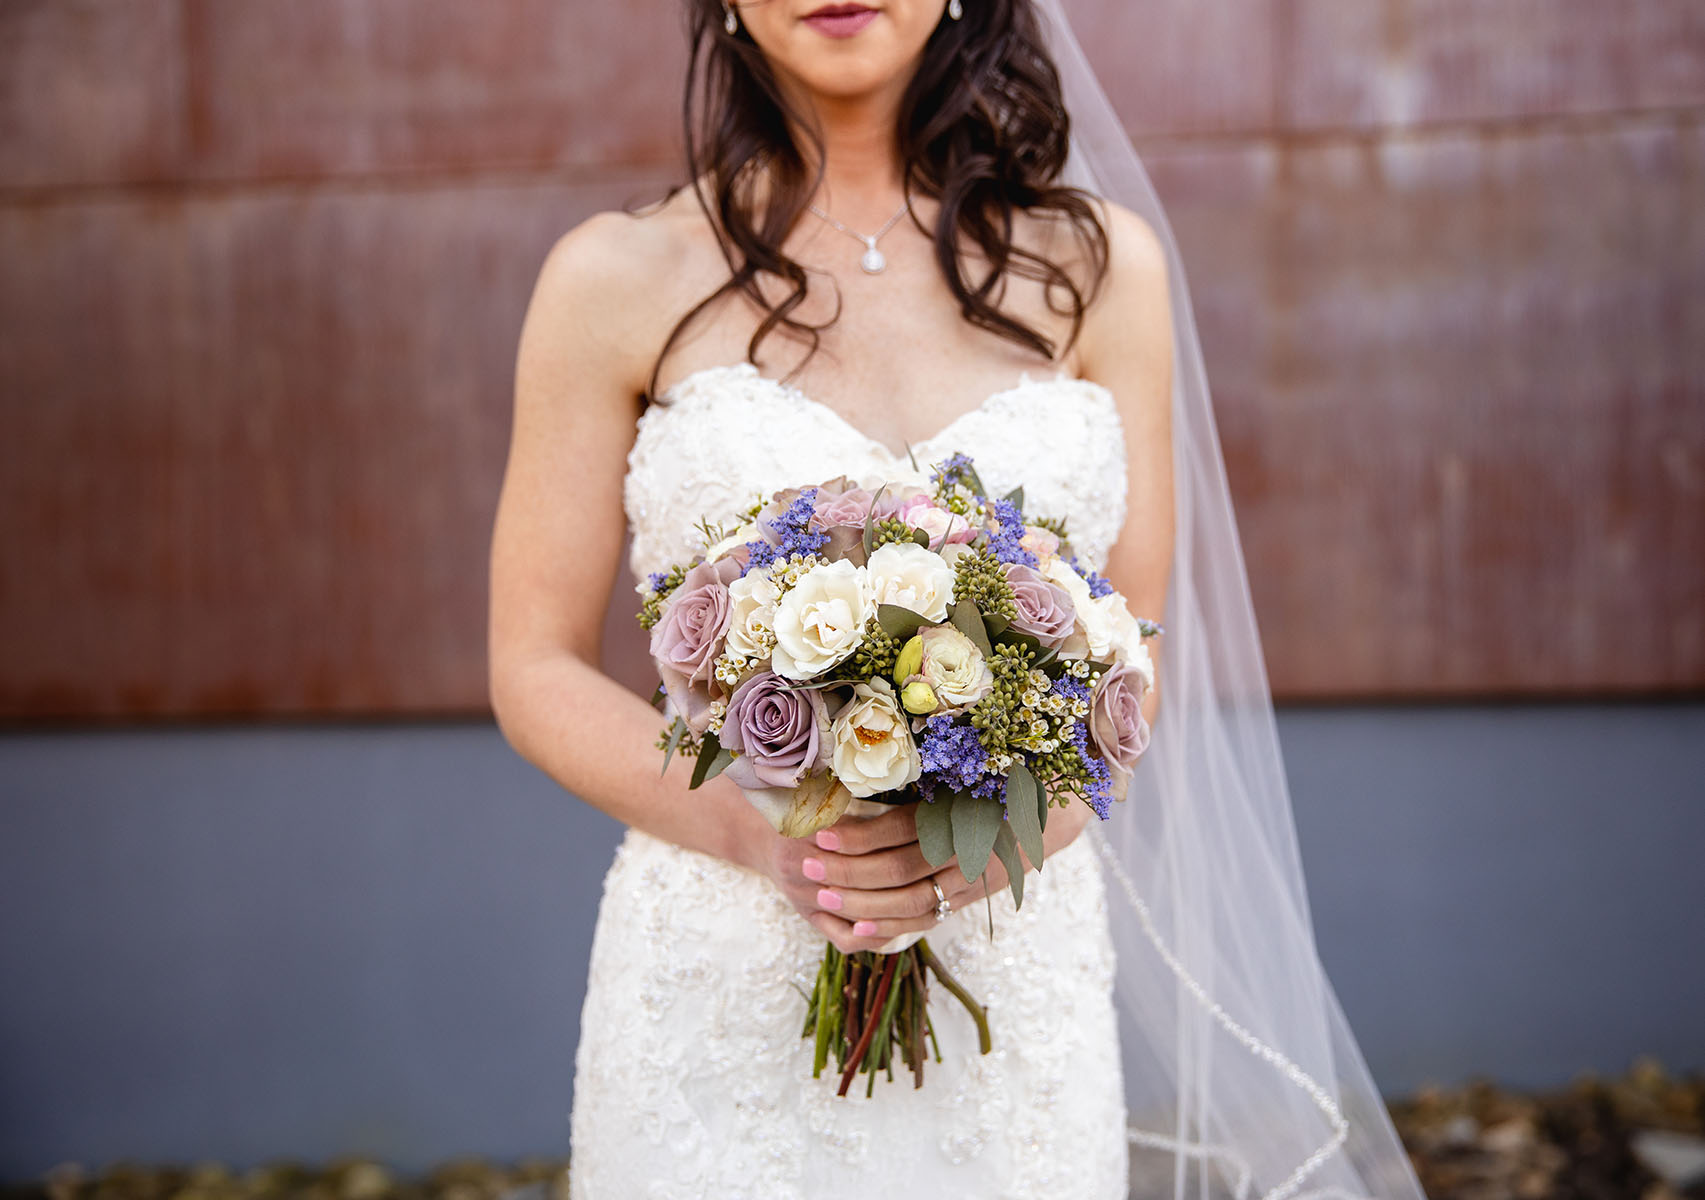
{"x": 878, "y": 265}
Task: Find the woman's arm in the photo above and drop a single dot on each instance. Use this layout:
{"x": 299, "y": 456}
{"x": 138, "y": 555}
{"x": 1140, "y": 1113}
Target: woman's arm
{"x": 556, "y": 553}
{"x": 1128, "y": 347}
{"x": 556, "y": 547}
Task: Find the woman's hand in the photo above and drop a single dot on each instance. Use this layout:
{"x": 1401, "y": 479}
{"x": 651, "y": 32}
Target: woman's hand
{"x": 864, "y": 881}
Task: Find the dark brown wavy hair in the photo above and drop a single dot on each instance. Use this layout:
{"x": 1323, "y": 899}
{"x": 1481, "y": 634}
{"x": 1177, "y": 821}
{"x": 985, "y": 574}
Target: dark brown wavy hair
{"x": 982, "y": 129}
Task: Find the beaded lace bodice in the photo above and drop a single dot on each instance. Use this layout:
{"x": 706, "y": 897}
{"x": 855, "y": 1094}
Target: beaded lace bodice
{"x": 723, "y": 435}
{"x": 691, "y": 1078}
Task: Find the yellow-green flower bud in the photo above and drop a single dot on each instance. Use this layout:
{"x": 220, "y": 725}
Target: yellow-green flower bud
{"x": 910, "y": 662}
{"x": 919, "y": 698}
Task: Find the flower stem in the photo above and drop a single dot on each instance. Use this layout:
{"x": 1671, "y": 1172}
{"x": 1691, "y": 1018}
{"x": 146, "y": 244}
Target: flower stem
{"x": 858, "y": 1053}
{"x": 959, "y": 993}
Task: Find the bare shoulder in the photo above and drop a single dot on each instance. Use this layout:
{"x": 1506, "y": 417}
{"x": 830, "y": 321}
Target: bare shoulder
{"x": 613, "y": 284}
{"x": 1131, "y": 314}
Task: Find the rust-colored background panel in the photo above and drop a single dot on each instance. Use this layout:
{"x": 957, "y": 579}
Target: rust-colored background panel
{"x": 265, "y": 263}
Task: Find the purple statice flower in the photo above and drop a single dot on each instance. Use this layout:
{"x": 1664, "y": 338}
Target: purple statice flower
{"x": 793, "y": 527}
{"x": 1100, "y": 780}
{"x": 793, "y": 532}
{"x": 952, "y": 756}
{"x": 760, "y": 555}
{"x": 1098, "y": 585}
{"x": 1006, "y": 538}
{"x": 656, "y": 578}
{"x": 1071, "y": 689}
{"x": 952, "y": 471}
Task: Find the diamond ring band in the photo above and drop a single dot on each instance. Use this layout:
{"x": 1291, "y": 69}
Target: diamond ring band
{"x": 942, "y": 908}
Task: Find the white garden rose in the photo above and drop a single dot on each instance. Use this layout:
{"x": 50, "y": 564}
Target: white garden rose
{"x": 907, "y": 574}
{"x": 1128, "y": 645}
{"x": 954, "y": 667}
{"x": 871, "y": 746}
{"x": 1093, "y": 637}
{"x": 751, "y": 629}
{"x": 820, "y": 620}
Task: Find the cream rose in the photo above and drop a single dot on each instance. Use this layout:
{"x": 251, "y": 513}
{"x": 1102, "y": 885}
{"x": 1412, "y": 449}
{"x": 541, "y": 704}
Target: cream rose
{"x": 871, "y": 747}
{"x": 1094, "y": 635}
{"x": 1128, "y": 645}
{"x": 751, "y": 629}
{"x": 820, "y": 620}
{"x": 906, "y": 574}
{"x": 953, "y": 667}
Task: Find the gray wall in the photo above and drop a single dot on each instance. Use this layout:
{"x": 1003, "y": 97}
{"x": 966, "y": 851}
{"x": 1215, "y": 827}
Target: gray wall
{"x": 256, "y": 943}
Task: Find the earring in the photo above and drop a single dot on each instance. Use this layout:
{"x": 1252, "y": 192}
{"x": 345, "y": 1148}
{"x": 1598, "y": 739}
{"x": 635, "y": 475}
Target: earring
{"x": 731, "y": 23}
{"x": 954, "y": 12}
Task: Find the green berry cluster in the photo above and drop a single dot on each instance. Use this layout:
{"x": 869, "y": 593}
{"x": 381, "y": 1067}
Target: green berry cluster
{"x": 875, "y": 654}
{"x": 889, "y": 529}
{"x": 999, "y": 717}
{"x": 978, "y": 578}
{"x": 652, "y": 610}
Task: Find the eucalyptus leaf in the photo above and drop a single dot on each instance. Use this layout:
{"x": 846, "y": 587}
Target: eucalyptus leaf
{"x": 1043, "y": 804}
{"x": 1017, "y": 637}
{"x": 899, "y": 621}
{"x": 658, "y": 697}
{"x": 935, "y": 828}
{"x": 976, "y": 822}
{"x": 970, "y": 623}
{"x": 921, "y": 537}
{"x": 1007, "y": 847}
{"x": 1016, "y": 496}
{"x": 677, "y": 731}
{"x": 709, "y": 747}
{"x": 996, "y": 624}
{"x": 719, "y": 764}
{"x": 1021, "y": 814}
{"x": 869, "y": 521}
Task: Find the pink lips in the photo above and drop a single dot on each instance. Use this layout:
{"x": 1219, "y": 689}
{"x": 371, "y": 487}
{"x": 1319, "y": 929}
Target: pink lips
{"x": 840, "y": 20}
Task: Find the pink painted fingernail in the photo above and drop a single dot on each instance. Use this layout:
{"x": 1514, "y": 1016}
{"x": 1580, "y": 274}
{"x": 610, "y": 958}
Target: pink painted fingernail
{"x": 828, "y": 839}
{"x": 829, "y": 900}
{"x": 814, "y": 870}
{"x": 864, "y": 928}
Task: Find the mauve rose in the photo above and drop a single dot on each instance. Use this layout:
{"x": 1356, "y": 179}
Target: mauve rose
{"x": 1116, "y": 723}
{"x": 840, "y": 501}
{"x": 688, "y": 637}
{"x": 921, "y": 512}
{"x": 1044, "y": 608}
{"x": 776, "y": 732}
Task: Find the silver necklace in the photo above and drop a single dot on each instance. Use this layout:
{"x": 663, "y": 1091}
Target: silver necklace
{"x": 872, "y": 260}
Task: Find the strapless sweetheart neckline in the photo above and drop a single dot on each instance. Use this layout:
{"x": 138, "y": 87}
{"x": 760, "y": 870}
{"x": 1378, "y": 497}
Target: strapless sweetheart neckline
{"x": 800, "y": 396}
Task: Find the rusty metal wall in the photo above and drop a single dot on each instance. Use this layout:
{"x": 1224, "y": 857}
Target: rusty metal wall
{"x": 264, "y": 263}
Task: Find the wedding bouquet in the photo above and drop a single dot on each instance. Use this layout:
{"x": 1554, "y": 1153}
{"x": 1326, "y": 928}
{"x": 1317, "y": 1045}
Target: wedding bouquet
{"x": 834, "y": 649}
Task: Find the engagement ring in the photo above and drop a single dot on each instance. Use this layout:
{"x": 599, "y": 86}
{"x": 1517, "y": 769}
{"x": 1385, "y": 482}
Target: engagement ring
{"x": 942, "y": 907}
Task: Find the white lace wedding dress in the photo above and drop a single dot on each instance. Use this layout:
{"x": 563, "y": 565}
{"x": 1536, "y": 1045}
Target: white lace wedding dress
{"x": 691, "y": 1078}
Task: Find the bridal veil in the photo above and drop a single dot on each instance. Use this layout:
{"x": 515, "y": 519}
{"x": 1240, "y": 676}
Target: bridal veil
{"x": 1242, "y": 1076}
